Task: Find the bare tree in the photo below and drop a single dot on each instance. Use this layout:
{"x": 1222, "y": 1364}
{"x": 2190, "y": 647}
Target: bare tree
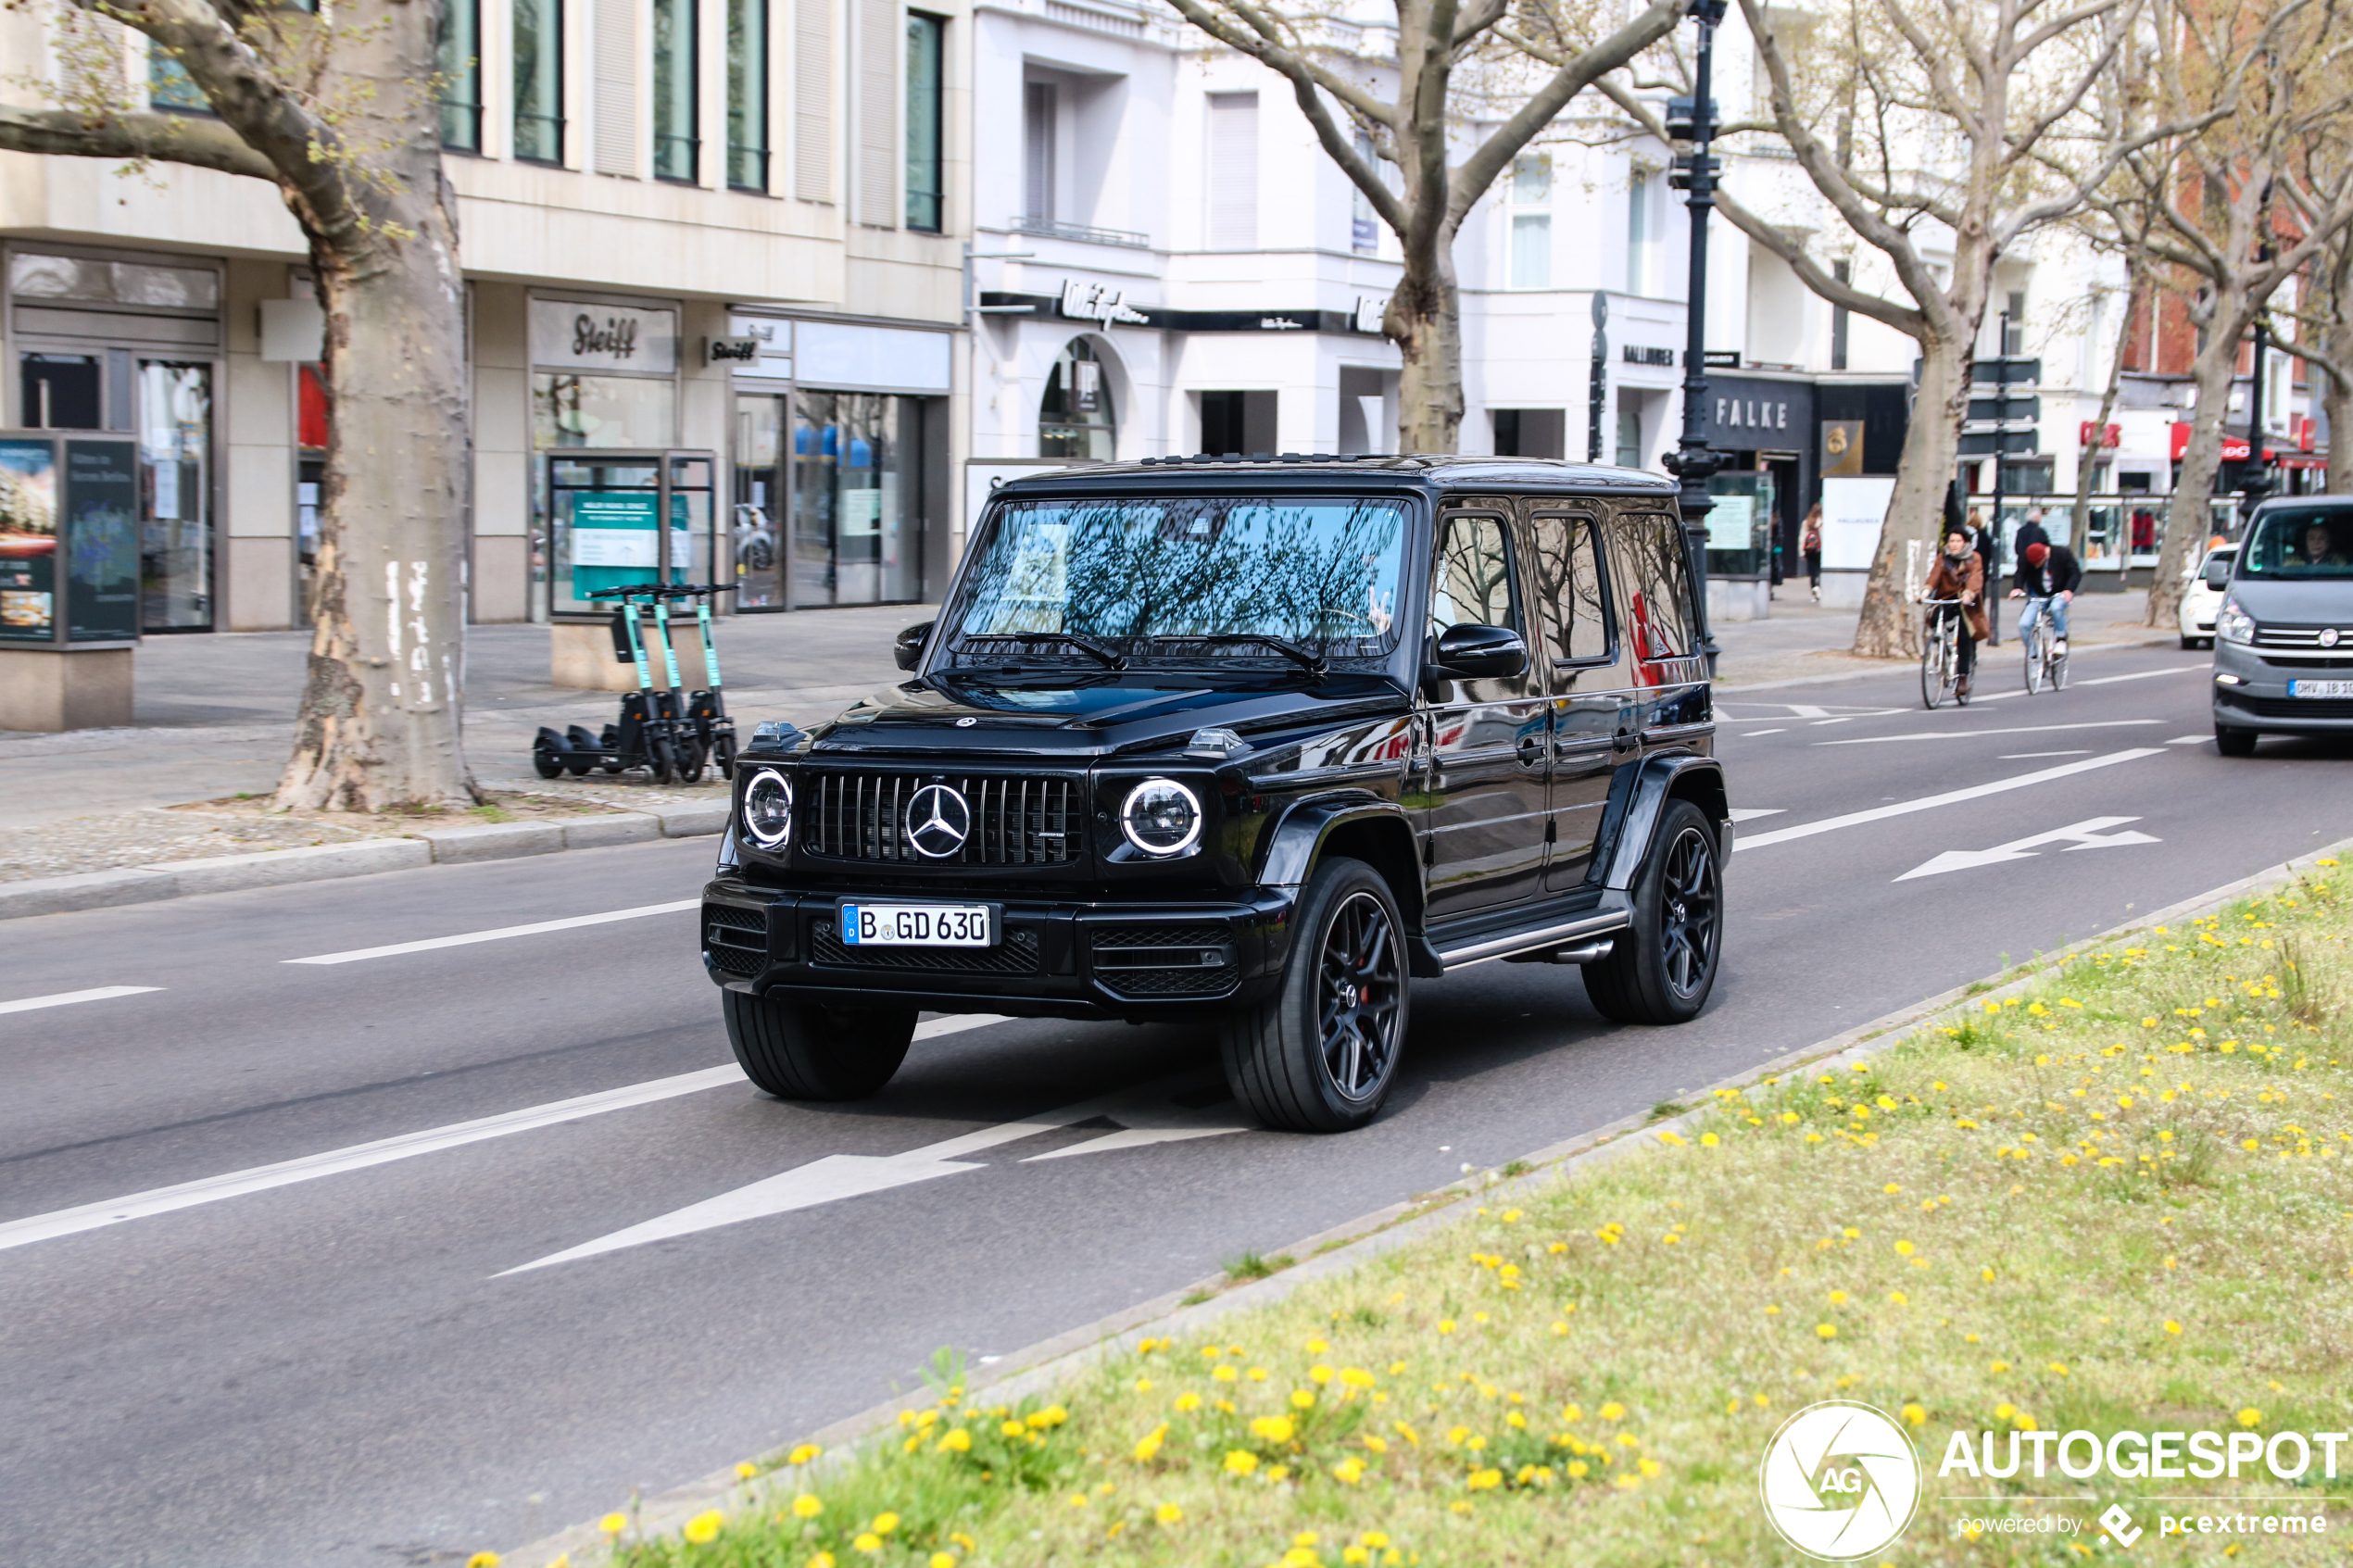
{"x": 2323, "y": 316}
{"x": 1418, "y": 130}
{"x": 339, "y": 110}
{"x": 2096, "y": 434}
{"x": 1930, "y": 130}
{"x": 2245, "y": 202}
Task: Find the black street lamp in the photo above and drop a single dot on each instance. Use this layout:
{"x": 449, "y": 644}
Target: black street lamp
{"x": 1691, "y": 462}
{"x": 2255, "y": 476}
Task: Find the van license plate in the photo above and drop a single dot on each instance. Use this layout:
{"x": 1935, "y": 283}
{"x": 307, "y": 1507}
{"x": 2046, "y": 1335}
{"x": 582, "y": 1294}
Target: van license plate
{"x": 916, "y": 925}
{"x": 2319, "y": 688}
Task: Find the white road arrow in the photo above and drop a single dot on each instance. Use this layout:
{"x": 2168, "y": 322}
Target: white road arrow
{"x": 2087, "y": 834}
{"x": 1147, "y": 1113}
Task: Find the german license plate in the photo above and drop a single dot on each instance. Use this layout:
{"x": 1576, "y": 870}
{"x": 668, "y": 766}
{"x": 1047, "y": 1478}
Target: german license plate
{"x": 2319, "y": 688}
{"x": 917, "y": 925}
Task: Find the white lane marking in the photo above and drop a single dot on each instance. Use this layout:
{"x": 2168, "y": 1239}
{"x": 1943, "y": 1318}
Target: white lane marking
{"x": 2102, "y": 680}
{"x": 2012, "y": 730}
{"x": 2030, "y": 756}
{"x": 2088, "y": 834}
{"x": 67, "y": 998}
{"x": 2189, "y": 740}
{"x": 1750, "y": 813}
{"x": 1931, "y": 802}
{"x": 501, "y": 934}
{"x": 1146, "y": 1118}
{"x": 1754, "y": 732}
{"x": 838, "y": 1176}
{"x": 432, "y": 1140}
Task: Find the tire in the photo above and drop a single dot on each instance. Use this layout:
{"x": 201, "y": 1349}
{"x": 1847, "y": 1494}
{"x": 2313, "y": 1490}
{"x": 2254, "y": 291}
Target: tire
{"x": 1661, "y": 969}
{"x": 1320, "y": 1056}
{"x": 723, "y": 754}
{"x": 2188, "y": 643}
{"x": 661, "y": 758}
{"x": 689, "y": 759}
{"x": 1933, "y": 654}
{"x": 548, "y": 758}
{"x": 2035, "y": 667}
{"x": 583, "y": 746}
{"x": 2232, "y": 741}
{"x": 801, "y": 1050}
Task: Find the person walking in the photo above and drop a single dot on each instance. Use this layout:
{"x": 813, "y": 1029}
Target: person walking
{"x": 1959, "y": 573}
{"x": 1810, "y": 545}
{"x": 2031, "y": 533}
{"x": 1982, "y": 546}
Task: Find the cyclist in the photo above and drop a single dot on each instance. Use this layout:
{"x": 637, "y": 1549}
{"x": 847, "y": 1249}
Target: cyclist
{"x": 1959, "y": 573}
{"x": 2047, "y": 574}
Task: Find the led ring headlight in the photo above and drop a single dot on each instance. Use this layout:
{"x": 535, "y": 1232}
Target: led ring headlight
{"x": 767, "y": 812}
{"x": 1161, "y": 817}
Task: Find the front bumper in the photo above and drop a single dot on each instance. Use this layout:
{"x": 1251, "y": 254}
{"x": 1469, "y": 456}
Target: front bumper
{"x": 1057, "y": 958}
{"x": 2260, "y": 699}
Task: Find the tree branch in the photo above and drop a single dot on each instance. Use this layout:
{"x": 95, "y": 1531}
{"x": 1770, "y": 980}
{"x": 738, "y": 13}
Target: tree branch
{"x": 165, "y": 138}
{"x": 1907, "y": 320}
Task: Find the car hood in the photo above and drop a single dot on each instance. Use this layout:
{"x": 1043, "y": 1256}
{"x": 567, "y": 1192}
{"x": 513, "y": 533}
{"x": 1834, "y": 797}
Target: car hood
{"x": 2294, "y": 602}
{"x": 1095, "y": 716}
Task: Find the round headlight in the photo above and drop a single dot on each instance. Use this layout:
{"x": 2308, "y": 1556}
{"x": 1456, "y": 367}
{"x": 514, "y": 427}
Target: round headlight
{"x": 768, "y": 810}
{"x": 1161, "y": 817}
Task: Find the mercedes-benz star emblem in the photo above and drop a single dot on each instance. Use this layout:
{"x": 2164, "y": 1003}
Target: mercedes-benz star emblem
{"x": 937, "y": 821}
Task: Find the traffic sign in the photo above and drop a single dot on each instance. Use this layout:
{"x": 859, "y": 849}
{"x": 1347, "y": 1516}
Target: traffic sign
{"x": 2015, "y": 410}
{"x": 2007, "y": 443}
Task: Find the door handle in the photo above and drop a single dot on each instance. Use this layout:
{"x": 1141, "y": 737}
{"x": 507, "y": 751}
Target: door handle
{"x": 1531, "y": 751}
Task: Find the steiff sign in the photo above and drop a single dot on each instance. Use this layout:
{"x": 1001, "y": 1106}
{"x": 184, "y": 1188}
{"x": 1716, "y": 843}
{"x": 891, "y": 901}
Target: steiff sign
{"x": 576, "y": 335}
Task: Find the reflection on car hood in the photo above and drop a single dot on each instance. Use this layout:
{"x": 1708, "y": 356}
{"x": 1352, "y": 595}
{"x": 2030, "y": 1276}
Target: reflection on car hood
{"x": 1093, "y": 715}
{"x": 2309, "y": 601}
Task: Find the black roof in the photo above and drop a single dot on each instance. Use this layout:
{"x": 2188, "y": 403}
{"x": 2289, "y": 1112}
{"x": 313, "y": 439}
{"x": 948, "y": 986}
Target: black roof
{"x": 1295, "y": 469}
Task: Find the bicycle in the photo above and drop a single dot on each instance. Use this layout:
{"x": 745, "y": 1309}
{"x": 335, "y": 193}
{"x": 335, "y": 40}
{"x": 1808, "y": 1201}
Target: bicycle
{"x": 1941, "y": 654}
{"x": 2046, "y": 666}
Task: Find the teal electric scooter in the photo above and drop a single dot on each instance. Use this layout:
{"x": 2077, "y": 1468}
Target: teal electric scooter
{"x": 706, "y": 709}
{"x": 654, "y": 733}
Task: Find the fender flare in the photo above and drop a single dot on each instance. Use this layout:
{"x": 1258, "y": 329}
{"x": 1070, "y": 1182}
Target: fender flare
{"x": 1654, "y": 782}
{"x": 1296, "y": 840}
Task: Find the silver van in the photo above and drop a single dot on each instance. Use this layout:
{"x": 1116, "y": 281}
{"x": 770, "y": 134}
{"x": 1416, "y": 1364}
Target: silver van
{"x": 2283, "y": 638}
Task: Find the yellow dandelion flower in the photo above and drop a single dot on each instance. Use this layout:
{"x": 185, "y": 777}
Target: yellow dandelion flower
{"x": 1168, "y": 1514}
{"x": 868, "y": 1542}
{"x": 804, "y": 1454}
{"x": 702, "y": 1529}
{"x": 1240, "y": 1461}
{"x": 942, "y": 1560}
{"x": 1349, "y": 1470}
{"x": 482, "y": 1559}
{"x": 2171, "y": 1326}
{"x": 1273, "y": 1429}
{"x": 955, "y": 1441}
{"x": 1827, "y": 1330}
{"x": 613, "y": 1524}
{"x": 1147, "y": 1446}
{"x": 2250, "y": 1417}
{"x": 1915, "y": 1414}
{"x": 807, "y": 1506}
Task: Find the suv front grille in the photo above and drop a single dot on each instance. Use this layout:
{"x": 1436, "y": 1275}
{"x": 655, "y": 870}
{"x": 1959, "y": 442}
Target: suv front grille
{"x": 2294, "y": 706}
{"x": 1015, "y": 821}
{"x": 1016, "y": 955}
{"x": 2270, "y": 634}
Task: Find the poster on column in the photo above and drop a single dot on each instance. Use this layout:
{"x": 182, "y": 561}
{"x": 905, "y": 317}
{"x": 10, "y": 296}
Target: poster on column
{"x": 614, "y": 539}
{"x": 102, "y": 542}
{"x": 28, "y": 541}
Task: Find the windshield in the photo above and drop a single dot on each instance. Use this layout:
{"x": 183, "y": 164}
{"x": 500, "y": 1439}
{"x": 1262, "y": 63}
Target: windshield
{"x": 2299, "y": 542}
{"x": 1129, "y": 569}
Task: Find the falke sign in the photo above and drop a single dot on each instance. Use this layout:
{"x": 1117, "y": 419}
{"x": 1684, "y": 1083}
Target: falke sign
{"x": 577, "y": 336}
{"x": 1751, "y": 413}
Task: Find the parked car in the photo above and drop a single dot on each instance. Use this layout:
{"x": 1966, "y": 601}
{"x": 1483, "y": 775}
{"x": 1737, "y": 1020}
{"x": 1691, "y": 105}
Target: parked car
{"x": 2202, "y": 597}
{"x": 1258, "y": 743}
{"x": 2283, "y": 636}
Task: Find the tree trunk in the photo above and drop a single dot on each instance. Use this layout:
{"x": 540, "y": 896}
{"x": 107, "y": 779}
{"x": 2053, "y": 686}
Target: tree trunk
{"x": 2189, "y": 518}
{"x": 1425, "y": 321}
{"x": 1889, "y": 628}
{"x": 2336, "y": 404}
{"x": 382, "y": 713}
{"x": 2078, "y": 534}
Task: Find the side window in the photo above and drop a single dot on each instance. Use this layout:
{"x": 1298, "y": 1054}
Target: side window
{"x": 1568, "y": 589}
{"x": 1472, "y": 582}
{"x": 1655, "y": 569}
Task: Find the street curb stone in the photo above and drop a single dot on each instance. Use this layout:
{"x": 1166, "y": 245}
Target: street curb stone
{"x": 320, "y": 862}
{"x": 477, "y": 841}
{"x": 1051, "y": 1362}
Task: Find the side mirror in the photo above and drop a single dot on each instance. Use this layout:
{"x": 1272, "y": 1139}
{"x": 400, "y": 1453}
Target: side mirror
{"x": 1472, "y": 652}
{"x": 907, "y": 648}
{"x": 2218, "y": 574}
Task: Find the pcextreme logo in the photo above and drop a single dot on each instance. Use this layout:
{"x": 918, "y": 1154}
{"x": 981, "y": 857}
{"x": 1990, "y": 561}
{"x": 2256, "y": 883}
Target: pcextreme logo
{"x": 1840, "y": 1480}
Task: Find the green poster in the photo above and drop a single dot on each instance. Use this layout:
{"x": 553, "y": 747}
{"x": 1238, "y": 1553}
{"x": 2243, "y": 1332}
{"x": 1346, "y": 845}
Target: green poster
{"x": 102, "y": 541}
{"x": 614, "y": 541}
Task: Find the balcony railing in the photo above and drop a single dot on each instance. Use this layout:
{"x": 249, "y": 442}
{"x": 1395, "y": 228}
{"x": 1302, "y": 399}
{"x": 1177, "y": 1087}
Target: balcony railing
{"x": 1053, "y": 229}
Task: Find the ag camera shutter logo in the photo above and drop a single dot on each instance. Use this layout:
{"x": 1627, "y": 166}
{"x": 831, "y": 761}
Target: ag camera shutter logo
{"x": 1840, "y": 1480}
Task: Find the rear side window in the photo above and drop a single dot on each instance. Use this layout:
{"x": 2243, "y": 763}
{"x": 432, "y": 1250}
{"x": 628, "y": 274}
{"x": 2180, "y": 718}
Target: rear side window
{"x": 1654, "y": 567}
{"x": 1473, "y": 583}
{"x": 1568, "y": 589}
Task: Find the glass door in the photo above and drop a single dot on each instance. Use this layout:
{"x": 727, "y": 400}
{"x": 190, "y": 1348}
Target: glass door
{"x": 856, "y": 501}
{"x": 755, "y": 531}
{"x": 175, "y": 495}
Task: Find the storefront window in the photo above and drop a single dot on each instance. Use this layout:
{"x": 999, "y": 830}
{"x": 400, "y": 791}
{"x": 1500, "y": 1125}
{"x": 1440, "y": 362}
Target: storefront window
{"x": 758, "y": 502}
{"x": 1076, "y": 417}
{"x": 613, "y": 411}
{"x": 175, "y": 494}
{"x": 60, "y": 391}
{"x": 857, "y": 531}
{"x": 1740, "y": 523}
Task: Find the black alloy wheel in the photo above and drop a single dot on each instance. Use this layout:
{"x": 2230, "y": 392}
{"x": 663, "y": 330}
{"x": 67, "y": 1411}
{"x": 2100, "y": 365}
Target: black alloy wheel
{"x": 1320, "y": 1054}
{"x": 1661, "y": 968}
{"x": 1361, "y": 986}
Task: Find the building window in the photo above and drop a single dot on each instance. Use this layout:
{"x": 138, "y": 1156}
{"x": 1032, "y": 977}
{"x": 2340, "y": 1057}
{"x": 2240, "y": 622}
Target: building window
{"x": 675, "y": 72}
{"x": 1363, "y": 224}
{"x": 459, "y": 63}
{"x": 1076, "y": 417}
{"x": 169, "y": 87}
{"x": 2014, "y": 328}
{"x": 539, "y": 80}
{"x": 1233, "y": 172}
{"x": 1039, "y": 122}
{"x": 748, "y": 95}
{"x": 925, "y": 36}
{"x": 1638, "y": 233}
{"x": 1630, "y": 434}
{"x": 1531, "y": 213}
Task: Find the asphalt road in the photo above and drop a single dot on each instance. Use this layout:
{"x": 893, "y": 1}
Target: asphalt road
{"x": 334, "y": 1365}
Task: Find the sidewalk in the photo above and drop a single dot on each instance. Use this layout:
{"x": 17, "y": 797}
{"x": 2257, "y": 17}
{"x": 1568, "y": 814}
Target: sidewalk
{"x": 216, "y": 721}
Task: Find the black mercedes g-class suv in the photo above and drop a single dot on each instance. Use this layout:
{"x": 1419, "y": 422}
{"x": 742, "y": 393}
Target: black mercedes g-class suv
{"x": 1259, "y": 741}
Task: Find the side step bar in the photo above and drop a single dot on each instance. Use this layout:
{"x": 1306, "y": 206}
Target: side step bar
{"x": 1600, "y": 924}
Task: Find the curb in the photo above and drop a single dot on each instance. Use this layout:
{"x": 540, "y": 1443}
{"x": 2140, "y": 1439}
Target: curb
{"x": 322, "y": 863}
{"x": 1050, "y": 1361}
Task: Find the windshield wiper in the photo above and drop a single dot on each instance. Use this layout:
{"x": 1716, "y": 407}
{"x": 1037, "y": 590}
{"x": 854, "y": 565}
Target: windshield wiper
{"x": 1109, "y": 659}
{"x": 1304, "y": 657}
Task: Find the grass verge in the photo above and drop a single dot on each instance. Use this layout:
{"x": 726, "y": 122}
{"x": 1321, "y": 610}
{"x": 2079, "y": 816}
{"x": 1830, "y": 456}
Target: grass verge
{"x": 2118, "y": 1201}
